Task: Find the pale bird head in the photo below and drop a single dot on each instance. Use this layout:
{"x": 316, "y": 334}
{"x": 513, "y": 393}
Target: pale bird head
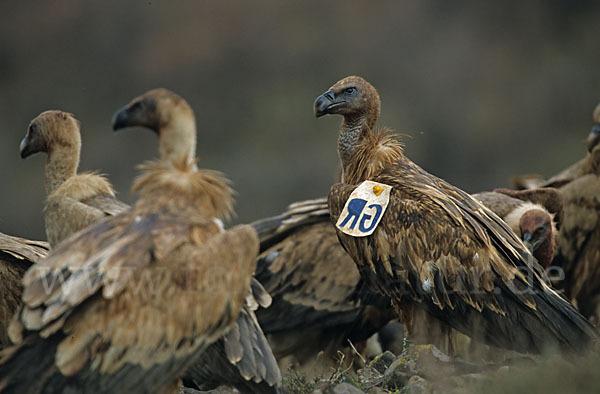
{"x": 351, "y": 96}
{"x": 49, "y": 130}
{"x": 153, "y": 110}
{"x": 168, "y": 115}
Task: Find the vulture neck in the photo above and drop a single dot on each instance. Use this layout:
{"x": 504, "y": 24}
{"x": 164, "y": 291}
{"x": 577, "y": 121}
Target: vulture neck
{"x": 363, "y": 152}
{"x": 61, "y": 164}
{"x": 177, "y": 140}
{"x": 353, "y": 130}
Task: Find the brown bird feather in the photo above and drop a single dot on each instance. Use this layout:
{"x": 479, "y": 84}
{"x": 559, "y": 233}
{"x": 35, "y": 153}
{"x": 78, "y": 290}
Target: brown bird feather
{"x": 578, "y": 252}
{"x": 129, "y": 303}
{"x": 439, "y": 249}
{"x": 75, "y": 201}
{"x": 319, "y": 300}
{"x": 16, "y": 256}
{"x": 241, "y": 357}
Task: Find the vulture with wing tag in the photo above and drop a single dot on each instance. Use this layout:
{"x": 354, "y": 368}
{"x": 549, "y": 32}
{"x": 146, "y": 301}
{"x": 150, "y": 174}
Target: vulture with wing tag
{"x": 437, "y": 248}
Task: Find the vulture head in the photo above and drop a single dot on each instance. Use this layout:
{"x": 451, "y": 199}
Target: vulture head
{"x": 537, "y": 232}
{"x": 168, "y": 115}
{"x": 594, "y": 136}
{"x": 352, "y": 97}
{"x": 51, "y": 130}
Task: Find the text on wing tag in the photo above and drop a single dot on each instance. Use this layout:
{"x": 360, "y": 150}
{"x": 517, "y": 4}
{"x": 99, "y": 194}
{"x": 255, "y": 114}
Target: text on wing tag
{"x": 364, "y": 209}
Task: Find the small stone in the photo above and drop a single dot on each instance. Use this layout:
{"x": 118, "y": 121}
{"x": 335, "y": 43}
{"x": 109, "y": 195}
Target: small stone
{"x": 382, "y": 361}
{"x": 397, "y": 375}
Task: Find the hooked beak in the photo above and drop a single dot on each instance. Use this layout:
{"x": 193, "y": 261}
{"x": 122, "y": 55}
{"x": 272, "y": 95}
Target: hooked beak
{"x": 324, "y": 103}
{"x": 120, "y": 119}
{"x": 527, "y": 241}
{"x": 24, "y": 148}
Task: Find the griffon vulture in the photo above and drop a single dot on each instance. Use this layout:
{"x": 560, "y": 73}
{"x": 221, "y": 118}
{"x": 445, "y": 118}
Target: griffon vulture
{"x": 16, "y": 256}
{"x": 242, "y": 356}
{"x": 128, "y": 304}
{"x": 74, "y": 201}
{"x": 435, "y": 247}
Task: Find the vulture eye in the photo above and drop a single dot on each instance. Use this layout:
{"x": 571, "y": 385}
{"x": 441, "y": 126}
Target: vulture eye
{"x": 350, "y": 90}
{"x": 538, "y": 231}
{"x": 33, "y": 129}
{"x": 136, "y": 106}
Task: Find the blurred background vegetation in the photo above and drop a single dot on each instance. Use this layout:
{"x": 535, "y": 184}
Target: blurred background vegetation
{"x": 482, "y": 90}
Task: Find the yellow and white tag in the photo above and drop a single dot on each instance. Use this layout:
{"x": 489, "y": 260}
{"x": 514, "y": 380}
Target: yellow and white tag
{"x": 364, "y": 209}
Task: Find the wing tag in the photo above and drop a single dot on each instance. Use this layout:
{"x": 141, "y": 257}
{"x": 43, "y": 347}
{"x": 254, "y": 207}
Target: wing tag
{"x": 364, "y": 209}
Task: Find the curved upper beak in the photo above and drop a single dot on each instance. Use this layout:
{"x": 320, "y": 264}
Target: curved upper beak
{"x": 120, "y": 119}
{"x": 24, "y": 148}
{"x": 324, "y": 102}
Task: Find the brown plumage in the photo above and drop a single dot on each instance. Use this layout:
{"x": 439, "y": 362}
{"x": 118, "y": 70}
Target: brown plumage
{"x": 129, "y": 303}
{"x": 74, "y": 201}
{"x": 317, "y": 291}
{"x": 16, "y": 256}
{"x": 439, "y": 249}
{"x": 578, "y": 246}
{"x": 242, "y": 357}
{"x": 531, "y": 214}
{"x": 319, "y": 299}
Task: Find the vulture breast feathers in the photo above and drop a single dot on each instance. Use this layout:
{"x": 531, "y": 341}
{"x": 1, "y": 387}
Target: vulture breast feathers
{"x": 319, "y": 299}
{"x": 74, "y": 201}
{"x": 129, "y": 303}
{"x": 438, "y": 248}
{"x": 16, "y": 256}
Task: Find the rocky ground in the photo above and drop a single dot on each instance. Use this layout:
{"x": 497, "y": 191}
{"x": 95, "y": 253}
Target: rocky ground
{"x": 423, "y": 369}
